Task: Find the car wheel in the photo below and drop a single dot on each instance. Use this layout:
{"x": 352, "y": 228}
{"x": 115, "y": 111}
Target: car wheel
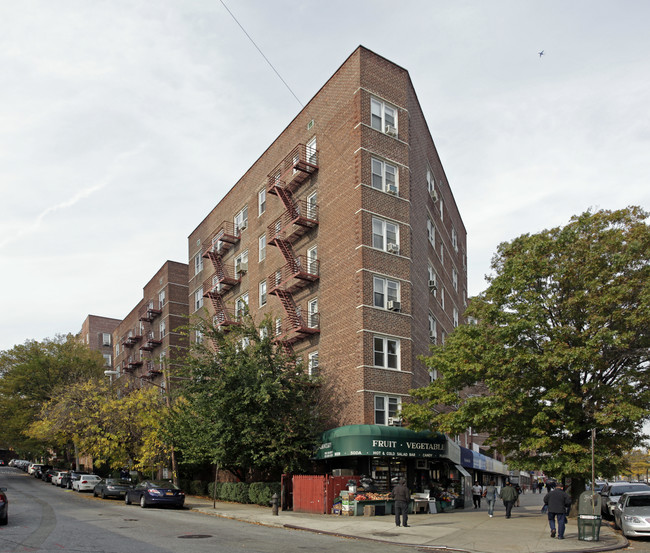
{"x": 143, "y": 503}
{"x": 102, "y": 495}
{"x": 4, "y": 521}
{"x": 127, "y": 500}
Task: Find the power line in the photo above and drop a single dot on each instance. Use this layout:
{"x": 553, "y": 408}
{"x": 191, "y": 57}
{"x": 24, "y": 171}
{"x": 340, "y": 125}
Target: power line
{"x": 262, "y": 53}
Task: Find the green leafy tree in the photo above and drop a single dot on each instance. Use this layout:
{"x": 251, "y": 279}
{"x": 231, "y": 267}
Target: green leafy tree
{"x": 33, "y": 373}
{"x": 248, "y": 405}
{"x": 638, "y": 464}
{"x": 560, "y": 347}
{"x": 114, "y": 428}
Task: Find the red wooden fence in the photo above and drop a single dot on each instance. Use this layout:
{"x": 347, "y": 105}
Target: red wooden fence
{"x": 316, "y": 493}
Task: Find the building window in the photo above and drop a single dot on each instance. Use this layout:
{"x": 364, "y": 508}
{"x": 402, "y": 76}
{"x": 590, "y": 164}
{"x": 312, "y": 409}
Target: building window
{"x": 386, "y": 352}
{"x": 162, "y": 297}
{"x": 261, "y": 242}
{"x": 261, "y": 201}
{"x": 433, "y": 281}
{"x": 385, "y": 235}
{"x": 106, "y": 339}
{"x": 241, "y": 220}
{"x": 442, "y": 211}
{"x": 163, "y": 329}
{"x": 241, "y": 264}
{"x": 108, "y": 360}
{"x": 198, "y": 337}
{"x": 433, "y": 375}
{"x": 387, "y": 407}
{"x": 383, "y": 117}
{"x": 312, "y": 206}
{"x": 454, "y": 279}
{"x": 240, "y": 305}
{"x": 312, "y": 152}
{"x": 263, "y": 293}
{"x": 198, "y": 263}
{"x": 384, "y": 291}
{"x": 312, "y": 365}
{"x": 198, "y": 299}
{"x": 433, "y": 329}
{"x": 384, "y": 176}
{"x": 431, "y": 232}
{"x": 264, "y": 332}
{"x": 431, "y": 183}
{"x": 455, "y": 316}
{"x": 312, "y": 313}
{"x": 442, "y": 297}
{"x": 454, "y": 239}
{"x": 312, "y": 260}
{"x": 442, "y": 253}
{"x": 278, "y": 326}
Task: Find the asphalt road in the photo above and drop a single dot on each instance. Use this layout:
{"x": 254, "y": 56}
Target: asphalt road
{"x": 44, "y": 518}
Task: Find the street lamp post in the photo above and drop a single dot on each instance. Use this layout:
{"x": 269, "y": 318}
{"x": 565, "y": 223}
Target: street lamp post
{"x": 110, "y": 375}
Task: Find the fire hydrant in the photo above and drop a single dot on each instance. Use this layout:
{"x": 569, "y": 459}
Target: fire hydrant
{"x": 274, "y": 504}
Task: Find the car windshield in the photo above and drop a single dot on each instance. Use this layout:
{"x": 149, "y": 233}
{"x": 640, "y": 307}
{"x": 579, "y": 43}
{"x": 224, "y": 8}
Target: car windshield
{"x": 164, "y": 484}
{"x": 639, "y": 501}
{"x": 620, "y": 490}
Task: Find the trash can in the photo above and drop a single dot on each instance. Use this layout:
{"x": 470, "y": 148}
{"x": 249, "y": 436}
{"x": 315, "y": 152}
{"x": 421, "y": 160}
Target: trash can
{"x": 589, "y": 527}
{"x": 589, "y": 516}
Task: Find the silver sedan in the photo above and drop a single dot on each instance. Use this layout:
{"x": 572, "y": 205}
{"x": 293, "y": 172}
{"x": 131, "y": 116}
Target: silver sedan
{"x": 632, "y": 514}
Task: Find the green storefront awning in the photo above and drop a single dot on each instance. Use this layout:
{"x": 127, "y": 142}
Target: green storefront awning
{"x": 380, "y": 441}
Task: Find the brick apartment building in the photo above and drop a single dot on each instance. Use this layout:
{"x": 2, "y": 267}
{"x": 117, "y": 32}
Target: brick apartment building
{"x": 148, "y": 339}
{"x": 346, "y": 231}
{"x": 97, "y": 333}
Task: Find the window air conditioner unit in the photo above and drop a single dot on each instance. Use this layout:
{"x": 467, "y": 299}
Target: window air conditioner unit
{"x": 394, "y": 305}
{"x": 432, "y": 337}
{"x": 432, "y": 285}
{"x": 392, "y": 189}
{"x": 392, "y": 248}
{"x": 394, "y": 421}
{"x": 241, "y": 227}
{"x": 243, "y": 267}
{"x": 390, "y": 130}
{"x": 434, "y": 195}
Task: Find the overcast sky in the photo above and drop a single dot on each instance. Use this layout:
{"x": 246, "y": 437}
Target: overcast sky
{"x": 123, "y": 123}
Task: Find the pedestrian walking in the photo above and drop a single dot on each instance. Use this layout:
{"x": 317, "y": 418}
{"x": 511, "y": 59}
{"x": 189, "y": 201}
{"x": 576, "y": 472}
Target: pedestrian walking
{"x": 490, "y": 495}
{"x": 402, "y": 496}
{"x": 477, "y": 492}
{"x": 540, "y": 486}
{"x": 558, "y": 502}
{"x": 508, "y": 496}
{"x": 518, "y": 488}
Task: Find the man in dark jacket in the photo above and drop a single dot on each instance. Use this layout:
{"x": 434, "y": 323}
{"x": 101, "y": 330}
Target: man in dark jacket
{"x": 402, "y": 497}
{"x": 508, "y": 496}
{"x": 558, "y": 502}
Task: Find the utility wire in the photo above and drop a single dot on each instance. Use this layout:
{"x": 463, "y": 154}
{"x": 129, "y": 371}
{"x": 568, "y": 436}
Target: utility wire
{"x": 262, "y": 54}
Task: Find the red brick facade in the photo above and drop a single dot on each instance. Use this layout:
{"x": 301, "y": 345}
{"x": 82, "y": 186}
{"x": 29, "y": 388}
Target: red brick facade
{"x": 353, "y": 265}
{"x": 97, "y": 334}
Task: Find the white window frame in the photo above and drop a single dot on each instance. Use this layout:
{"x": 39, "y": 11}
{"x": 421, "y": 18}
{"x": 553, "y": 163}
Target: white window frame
{"x": 262, "y": 291}
{"x": 433, "y": 329}
{"x": 454, "y": 278}
{"x": 431, "y": 181}
{"x": 442, "y": 297}
{"x": 311, "y": 151}
{"x": 241, "y": 220}
{"x": 442, "y": 211}
{"x": 198, "y": 336}
{"x": 385, "y": 344}
{"x": 198, "y": 298}
{"x": 108, "y": 359}
{"x": 106, "y": 339}
{"x": 384, "y": 233}
{"x": 312, "y": 205}
{"x": 261, "y": 201}
{"x": 261, "y": 247}
{"x": 198, "y": 263}
{"x": 240, "y": 305}
{"x": 312, "y": 260}
{"x": 162, "y": 329}
{"x": 454, "y": 239}
{"x": 391, "y": 406}
{"x": 455, "y": 317}
{"x": 384, "y": 290}
{"x": 312, "y": 363}
{"x": 312, "y": 313}
{"x": 431, "y": 232}
{"x": 382, "y": 115}
{"x": 241, "y": 258}
{"x": 162, "y": 297}
{"x": 383, "y": 175}
{"x": 434, "y": 277}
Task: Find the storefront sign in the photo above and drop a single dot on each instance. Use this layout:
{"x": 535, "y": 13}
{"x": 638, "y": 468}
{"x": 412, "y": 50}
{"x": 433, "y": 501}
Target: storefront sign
{"x": 380, "y": 441}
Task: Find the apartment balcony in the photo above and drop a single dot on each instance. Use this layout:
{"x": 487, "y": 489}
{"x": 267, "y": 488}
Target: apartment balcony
{"x": 224, "y": 279}
{"x": 224, "y": 238}
{"x": 151, "y": 340}
{"x": 294, "y": 275}
{"x": 225, "y": 318}
{"x": 297, "y": 220}
{"x": 293, "y": 170}
{"x": 131, "y": 338}
{"x": 296, "y": 327}
{"x": 132, "y": 363}
{"x": 150, "y": 311}
{"x": 152, "y": 370}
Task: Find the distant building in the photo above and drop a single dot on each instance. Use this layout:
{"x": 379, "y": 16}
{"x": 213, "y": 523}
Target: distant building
{"x": 149, "y": 338}
{"x": 97, "y": 333}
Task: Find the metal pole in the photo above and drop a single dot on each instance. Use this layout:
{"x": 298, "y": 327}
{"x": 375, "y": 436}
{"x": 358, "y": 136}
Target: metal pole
{"x": 593, "y": 472}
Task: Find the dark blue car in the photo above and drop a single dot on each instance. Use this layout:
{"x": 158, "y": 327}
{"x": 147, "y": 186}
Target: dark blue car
{"x": 155, "y": 492}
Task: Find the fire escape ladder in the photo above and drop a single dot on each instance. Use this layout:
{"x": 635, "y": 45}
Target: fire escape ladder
{"x": 289, "y": 256}
{"x": 290, "y": 308}
{"x": 287, "y": 201}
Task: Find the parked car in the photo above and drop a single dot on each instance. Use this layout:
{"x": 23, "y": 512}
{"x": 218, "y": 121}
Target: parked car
{"x": 57, "y": 476}
{"x": 632, "y": 514}
{"x": 612, "y": 492}
{"x": 85, "y": 482}
{"x": 112, "y": 487}
{"x": 32, "y": 467}
{"x": 155, "y": 492}
{"x": 68, "y": 479}
{"x": 46, "y": 476}
{"x": 38, "y": 472}
{"x": 4, "y": 507}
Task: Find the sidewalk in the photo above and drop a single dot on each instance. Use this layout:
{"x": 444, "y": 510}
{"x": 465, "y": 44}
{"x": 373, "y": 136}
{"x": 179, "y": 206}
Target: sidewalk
{"x": 463, "y": 530}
